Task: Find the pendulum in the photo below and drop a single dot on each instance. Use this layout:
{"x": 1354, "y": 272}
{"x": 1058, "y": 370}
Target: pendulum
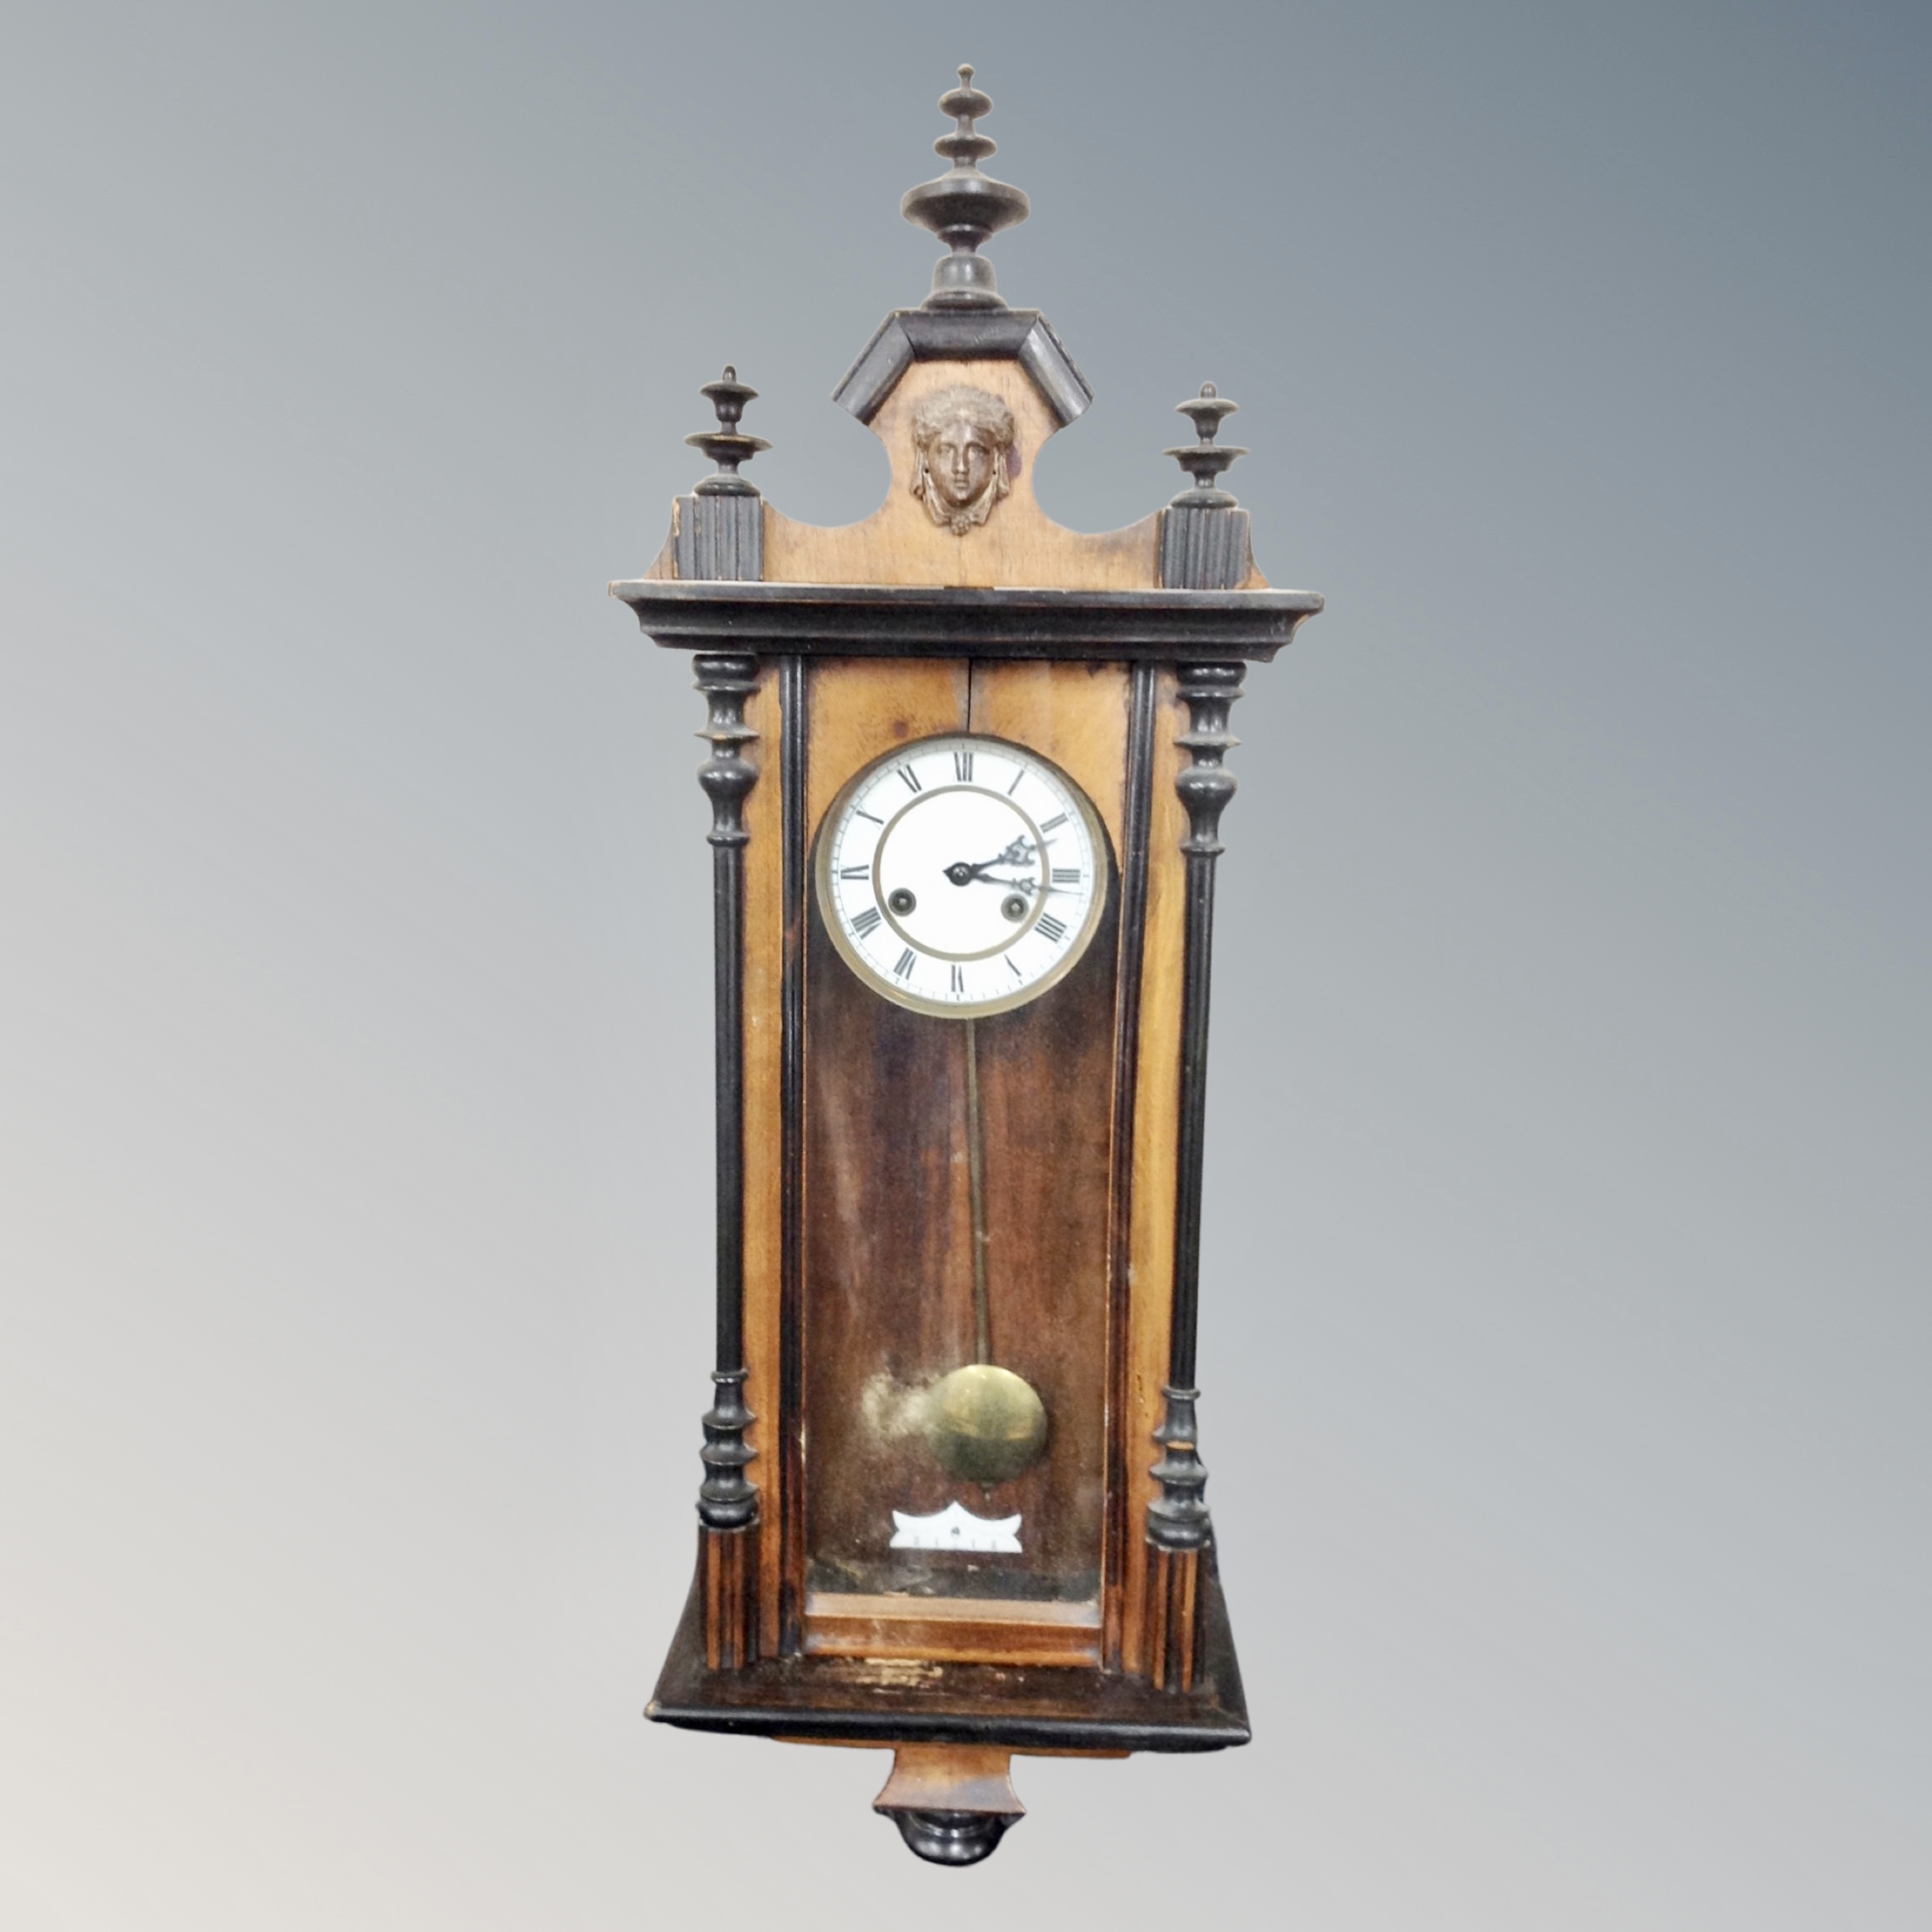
{"x": 984, "y": 1423}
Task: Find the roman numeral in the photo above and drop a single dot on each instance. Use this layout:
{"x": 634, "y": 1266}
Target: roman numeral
{"x": 1063, "y": 874}
{"x": 959, "y": 980}
{"x": 1017, "y": 776}
{"x": 1016, "y": 972}
{"x": 1052, "y": 927}
{"x": 911, "y": 777}
{"x": 863, "y": 922}
{"x": 903, "y": 970}
{"x": 859, "y": 812}
{"x": 962, "y": 765}
{"x": 1053, "y": 824}
{"x": 864, "y": 871}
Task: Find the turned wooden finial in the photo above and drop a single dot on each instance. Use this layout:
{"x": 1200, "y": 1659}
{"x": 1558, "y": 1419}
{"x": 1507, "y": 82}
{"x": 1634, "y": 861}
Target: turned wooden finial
{"x": 727, "y": 445}
{"x": 1206, "y": 459}
{"x": 965, "y": 208}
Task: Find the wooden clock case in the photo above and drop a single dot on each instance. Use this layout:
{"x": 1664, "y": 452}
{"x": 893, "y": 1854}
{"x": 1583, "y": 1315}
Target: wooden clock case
{"x": 843, "y": 1238}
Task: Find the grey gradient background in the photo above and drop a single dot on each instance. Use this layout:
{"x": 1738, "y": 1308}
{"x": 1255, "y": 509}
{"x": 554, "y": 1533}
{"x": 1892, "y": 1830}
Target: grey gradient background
{"x": 1565, "y": 1346}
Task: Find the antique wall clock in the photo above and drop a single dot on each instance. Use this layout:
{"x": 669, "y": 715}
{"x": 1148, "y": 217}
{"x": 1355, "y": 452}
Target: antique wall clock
{"x": 966, "y": 780}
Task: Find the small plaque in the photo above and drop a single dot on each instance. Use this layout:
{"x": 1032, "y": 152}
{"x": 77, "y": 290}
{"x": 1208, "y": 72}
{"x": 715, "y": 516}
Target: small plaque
{"x": 955, "y": 1527}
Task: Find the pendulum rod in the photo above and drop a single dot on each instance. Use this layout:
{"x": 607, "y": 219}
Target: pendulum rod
{"x": 976, "y": 1193}
{"x": 984, "y": 1423}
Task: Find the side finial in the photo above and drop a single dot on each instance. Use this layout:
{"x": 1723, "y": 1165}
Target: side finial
{"x": 1206, "y": 459}
{"x": 965, "y": 208}
{"x": 726, "y": 445}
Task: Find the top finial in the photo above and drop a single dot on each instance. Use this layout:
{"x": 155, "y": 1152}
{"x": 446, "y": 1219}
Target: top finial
{"x": 963, "y": 208}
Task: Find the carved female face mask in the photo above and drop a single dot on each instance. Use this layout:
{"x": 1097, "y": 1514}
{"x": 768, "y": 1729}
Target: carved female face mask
{"x": 963, "y": 438}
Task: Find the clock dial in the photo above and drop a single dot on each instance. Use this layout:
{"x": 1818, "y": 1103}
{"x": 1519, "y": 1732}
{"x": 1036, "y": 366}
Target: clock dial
{"x": 961, "y": 875}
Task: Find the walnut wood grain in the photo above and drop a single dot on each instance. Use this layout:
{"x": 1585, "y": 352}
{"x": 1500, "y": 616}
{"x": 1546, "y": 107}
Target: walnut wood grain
{"x": 858, "y": 708}
{"x": 1173, "y": 1638}
{"x": 889, "y": 1276}
{"x": 863, "y": 706}
{"x": 1155, "y": 1133}
{"x": 763, "y": 1125}
{"x": 1074, "y": 714}
{"x": 949, "y": 1630}
{"x": 951, "y": 1777}
{"x": 1079, "y": 715}
{"x": 888, "y": 1279}
{"x": 724, "y": 1558}
{"x": 1019, "y": 544}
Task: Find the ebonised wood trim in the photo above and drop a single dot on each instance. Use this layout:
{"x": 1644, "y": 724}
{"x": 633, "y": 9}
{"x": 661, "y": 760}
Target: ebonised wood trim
{"x": 721, "y": 536}
{"x": 727, "y": 1499}
{"x": 1178, "y": 1518}
{"x": 1201, "y": 548}
{"x": 1036, "y": 1708}
{"x": 952, "y": 1838}
{"x": 1136, "y": 820}
{"x": 794, "y": 688}
{"x": 888, "y": 620}
{"x": 910, "y": 335}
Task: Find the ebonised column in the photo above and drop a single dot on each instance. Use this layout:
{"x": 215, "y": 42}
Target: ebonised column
{"x": 727, "y": 1500}
{"x": 1179, "y": 1527}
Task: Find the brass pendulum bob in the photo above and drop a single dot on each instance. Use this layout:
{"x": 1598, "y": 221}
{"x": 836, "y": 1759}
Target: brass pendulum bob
{"x": 984, "y": 1423}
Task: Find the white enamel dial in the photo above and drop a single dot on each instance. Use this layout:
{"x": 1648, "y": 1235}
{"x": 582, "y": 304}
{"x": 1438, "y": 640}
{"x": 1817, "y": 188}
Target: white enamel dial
{"x": 961, "y": 875}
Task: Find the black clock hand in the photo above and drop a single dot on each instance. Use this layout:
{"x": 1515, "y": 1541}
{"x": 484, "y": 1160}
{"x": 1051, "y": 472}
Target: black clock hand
{"x": 964, "y": 874}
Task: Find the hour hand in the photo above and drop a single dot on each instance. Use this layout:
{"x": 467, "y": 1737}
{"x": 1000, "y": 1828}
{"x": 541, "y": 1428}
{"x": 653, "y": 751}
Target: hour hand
{"x": 961, "y": 873}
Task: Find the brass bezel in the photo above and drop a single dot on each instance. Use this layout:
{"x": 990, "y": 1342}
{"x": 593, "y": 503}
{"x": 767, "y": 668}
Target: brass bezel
{"x": 869, "y": 975}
